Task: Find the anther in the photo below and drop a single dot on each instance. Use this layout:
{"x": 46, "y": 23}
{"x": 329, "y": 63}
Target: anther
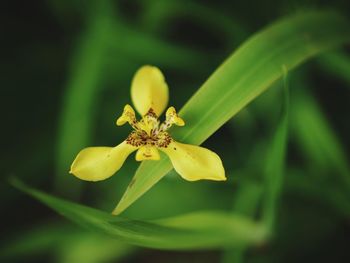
{"x": 128, "y": 116}
{"x": 171, "y": 118}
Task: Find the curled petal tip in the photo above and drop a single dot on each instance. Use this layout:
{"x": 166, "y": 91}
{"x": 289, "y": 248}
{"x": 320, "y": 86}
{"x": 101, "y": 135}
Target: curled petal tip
{"x": 180, "y": 122}
{"x": 221, "y": 178}
{"x": 128, "y": 115}
{"x": 120, "y": 121}
{"x": 173, "y": 118}
{"x": 128, "y": 108}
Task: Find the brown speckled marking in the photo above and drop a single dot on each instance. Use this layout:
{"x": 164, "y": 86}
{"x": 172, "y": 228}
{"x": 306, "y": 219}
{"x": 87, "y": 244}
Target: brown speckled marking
{"x": 158, "y": 137}
{"x": 135, "y": 139}
{"x": 151, "y": 113}
{"x": 164, "y": 139}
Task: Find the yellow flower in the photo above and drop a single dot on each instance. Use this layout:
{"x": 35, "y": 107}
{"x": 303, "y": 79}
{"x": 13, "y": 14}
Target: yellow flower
{"x": 149, "y": 93}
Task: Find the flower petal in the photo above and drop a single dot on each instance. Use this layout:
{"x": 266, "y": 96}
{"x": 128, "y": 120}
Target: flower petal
{"x": 195, "y": 163}
{"x": 149, "y": 90}
{"x": 147, "y": 152}
{"x": 99, "y": 163}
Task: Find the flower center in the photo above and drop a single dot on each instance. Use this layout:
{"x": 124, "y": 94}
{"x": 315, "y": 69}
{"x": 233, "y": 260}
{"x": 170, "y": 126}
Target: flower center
{"x": 148, "y": 131}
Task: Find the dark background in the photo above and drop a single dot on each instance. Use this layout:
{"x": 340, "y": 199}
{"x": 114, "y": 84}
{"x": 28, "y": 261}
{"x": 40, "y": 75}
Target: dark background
{"x": 45, "y": 45}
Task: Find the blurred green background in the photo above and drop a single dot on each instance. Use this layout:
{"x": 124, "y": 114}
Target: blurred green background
{"x": 66, "y": 73}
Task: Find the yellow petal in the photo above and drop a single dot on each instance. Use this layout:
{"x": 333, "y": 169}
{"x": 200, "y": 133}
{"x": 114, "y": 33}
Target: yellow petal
{"x": 149, "y": 90}
{"x": 147, "y": 153}
{"x": 195, "y": 163}
{"x": 99, "y": 163}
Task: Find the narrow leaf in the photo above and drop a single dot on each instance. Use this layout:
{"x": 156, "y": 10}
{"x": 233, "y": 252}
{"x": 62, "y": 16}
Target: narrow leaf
{"x": 80, "y": 100}
{"x": 318, "y": 140}
{"x": 248, "y": 200}
{"x": 336, "y": 63}
{"x": 192, "y": 231}
{"x": 241, "y": 78}
{"x": 274, "y": 169}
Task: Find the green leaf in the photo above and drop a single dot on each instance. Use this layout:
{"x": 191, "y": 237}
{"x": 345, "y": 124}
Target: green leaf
{"x": 191, "y": 231}
{"x": 92, "y": 247}
{"x": 241, "y": 78}
{"x": 80, "y": 100}
{"x": 34, "y": 241}
{"x": 248, "y": 200}
{"x": 336, "y": 63}
{"x": 69, "y": 243}
{"x": 299, "y": 183}
{"x": 157, "y": 13}
{"x": 318, "y": 140}
{"x": 275, "y": 164}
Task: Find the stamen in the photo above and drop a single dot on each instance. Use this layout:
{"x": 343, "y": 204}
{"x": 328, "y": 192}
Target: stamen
{"x": 171, "y": 118}
{"x": 148, "y": 134}
{"x": 128, "y": 116}
{"x": 149, "y": 123}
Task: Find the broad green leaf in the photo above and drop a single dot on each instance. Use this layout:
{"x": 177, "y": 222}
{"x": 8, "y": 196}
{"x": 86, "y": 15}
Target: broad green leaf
{"x": 241, "y": 78}
{"x": 192, "y": 231}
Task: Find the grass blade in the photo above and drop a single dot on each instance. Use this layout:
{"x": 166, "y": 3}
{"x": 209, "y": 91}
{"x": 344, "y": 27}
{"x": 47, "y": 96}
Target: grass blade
{"x": 248, "y": 200}
{"x": 79, "y": 102}
{"x": 318, "y": 140}
{"x": 91, "y": 247}
{"x": 192, "y": 231}
{"x": 69, "y": 243}
{"x": 240, "y": 79}
{"x": 34, "y": 241}
{"x": 275, "y": 163}
{"x": 337, "y": 63}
